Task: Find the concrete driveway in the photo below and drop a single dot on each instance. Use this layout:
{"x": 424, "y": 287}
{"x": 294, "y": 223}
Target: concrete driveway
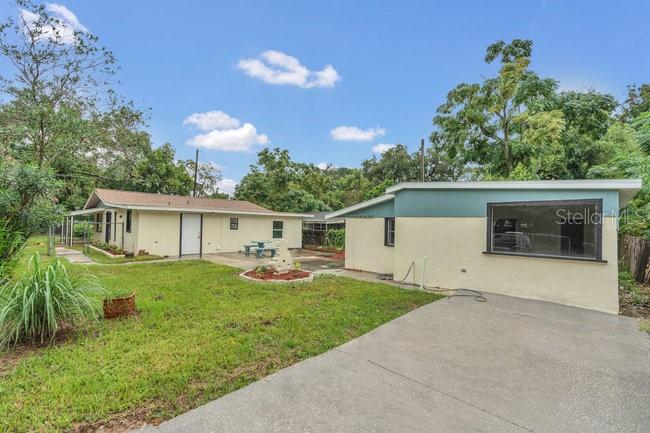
{"x": 457, "y": 365}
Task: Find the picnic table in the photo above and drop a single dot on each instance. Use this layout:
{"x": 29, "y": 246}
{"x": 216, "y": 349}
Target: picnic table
{"x": 260, "y": 249}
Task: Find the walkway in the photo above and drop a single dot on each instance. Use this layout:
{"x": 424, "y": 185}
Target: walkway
{"x": 73, "y": 256}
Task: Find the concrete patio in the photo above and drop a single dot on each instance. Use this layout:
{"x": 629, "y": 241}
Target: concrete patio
{"x": 314, "y": 261}
{"x": 456, "y": 365}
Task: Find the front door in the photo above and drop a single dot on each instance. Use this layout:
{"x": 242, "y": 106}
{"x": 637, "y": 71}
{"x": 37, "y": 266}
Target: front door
{"x": 107, "y": 224}
{"x": 190, "y": 233}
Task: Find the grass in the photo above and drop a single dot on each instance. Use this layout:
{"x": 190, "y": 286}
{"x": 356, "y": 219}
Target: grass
{"x": 644, "y": 325}
{"x": 201, "y": 333}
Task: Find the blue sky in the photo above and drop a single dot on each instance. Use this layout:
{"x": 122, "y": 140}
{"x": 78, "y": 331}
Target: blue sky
{"x": 391, "y": 64}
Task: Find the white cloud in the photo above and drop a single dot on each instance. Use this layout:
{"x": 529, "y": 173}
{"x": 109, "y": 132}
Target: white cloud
{"x": 241, "y": 139}
{"x": 223, "y": 132}
{"x": 66, "y": 14}
{"x": 212, "y": 120}
{"x": 352, "y": 133}
{"x": 276, "y": 67}
{"x": 62, "y": 31}
{"x": 382, "y": 147}
{"x": 324, "y": 165}
{"x": 227, "y": 186}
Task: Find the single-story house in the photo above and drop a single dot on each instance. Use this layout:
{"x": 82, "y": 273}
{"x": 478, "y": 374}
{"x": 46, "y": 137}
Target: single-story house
{"x": 547, "y": 240}
{"x": 318, "y": 222}
{"x": 172, "y": 225}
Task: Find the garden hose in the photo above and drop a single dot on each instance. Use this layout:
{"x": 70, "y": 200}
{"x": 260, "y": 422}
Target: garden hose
{"x": 478, "y": 296}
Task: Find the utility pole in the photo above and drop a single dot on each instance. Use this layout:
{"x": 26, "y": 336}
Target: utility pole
{"x": 422, "y": 157}
{"x": 196, "y": 171}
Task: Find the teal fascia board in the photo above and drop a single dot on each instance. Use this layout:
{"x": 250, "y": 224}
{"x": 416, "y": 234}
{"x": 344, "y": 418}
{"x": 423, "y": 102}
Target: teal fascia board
{"x": 473, "y": 203}
{"x": 380, "y": 210}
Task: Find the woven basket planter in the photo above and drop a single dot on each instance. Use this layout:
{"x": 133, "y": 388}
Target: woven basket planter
{"x": 119, "y": 307}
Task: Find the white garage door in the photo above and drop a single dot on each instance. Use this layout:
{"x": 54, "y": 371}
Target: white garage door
{"x": 190, "y": 233}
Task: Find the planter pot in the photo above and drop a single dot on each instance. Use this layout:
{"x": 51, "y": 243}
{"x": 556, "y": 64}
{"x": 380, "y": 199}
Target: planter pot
{"x": 119, "y": 307}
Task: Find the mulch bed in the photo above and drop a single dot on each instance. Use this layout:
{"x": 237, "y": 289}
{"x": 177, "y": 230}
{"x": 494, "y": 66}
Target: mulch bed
{"x": 269, "y": 274}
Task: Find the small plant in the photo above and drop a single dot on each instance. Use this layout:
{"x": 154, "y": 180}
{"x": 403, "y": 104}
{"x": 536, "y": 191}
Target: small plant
{"x": 336, "y": 238}
{"x": 644, "y": 325}
{"x": 113, "y": 249}
{"x": 297, "y": 265}
{"x": 261, "y": 270}
{"x": 44, "y": 301}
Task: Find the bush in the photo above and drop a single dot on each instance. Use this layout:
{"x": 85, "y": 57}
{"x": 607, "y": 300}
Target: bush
{"x": 336, "y": 238}
{"x": 113, "y": 249}
{"x": 44, "y": 301}
{"x": 10, "y": 244}
{"x": 83, "y": 230}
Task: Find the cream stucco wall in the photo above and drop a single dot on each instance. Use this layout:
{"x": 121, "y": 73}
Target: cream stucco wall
{"x": 159, "y": 232}
{"x": 364, "y": 246}
{"x": 454, "y": 249}
{"x": 218, "y": 238}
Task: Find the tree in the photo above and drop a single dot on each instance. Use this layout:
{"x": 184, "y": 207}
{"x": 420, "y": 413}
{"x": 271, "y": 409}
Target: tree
{"x": 208, "y": 178}
{"x": 159, "y": 172}
{"x": 56, "y": 74}
{"x": 395, "y": 164}
{"x": 627, "y": 160}
{"x": 280, "y": 184}
{"x": 483, "y": 122}
{"x": 636, "y": 103}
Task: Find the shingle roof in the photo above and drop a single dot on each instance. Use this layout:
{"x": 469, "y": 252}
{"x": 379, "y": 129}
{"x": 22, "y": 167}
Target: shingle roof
{"x": 131, "y": 198}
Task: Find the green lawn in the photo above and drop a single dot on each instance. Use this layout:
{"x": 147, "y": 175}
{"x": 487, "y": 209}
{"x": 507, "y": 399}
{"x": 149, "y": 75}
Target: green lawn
{"x": 201, "y": 333}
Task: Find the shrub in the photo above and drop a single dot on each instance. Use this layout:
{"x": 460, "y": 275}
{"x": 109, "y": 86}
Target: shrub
{"x": 336, "y": 238}
{"x": 10, "y": 244}
{"x": 84, "y": 230}
{"x": 113, "y": 249}
{"x": 44, "y": 301}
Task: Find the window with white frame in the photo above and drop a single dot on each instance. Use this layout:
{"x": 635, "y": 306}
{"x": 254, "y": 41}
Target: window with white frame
{"x": 278, "y": 227}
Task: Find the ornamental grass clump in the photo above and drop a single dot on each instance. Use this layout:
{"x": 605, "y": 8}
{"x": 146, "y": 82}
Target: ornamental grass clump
{"x": 46, "y": 300}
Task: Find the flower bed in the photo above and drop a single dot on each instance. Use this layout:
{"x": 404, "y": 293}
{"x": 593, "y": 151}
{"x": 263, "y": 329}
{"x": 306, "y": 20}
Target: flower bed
{"x": 291, "y": 275}
{"x": 111, "y": 249}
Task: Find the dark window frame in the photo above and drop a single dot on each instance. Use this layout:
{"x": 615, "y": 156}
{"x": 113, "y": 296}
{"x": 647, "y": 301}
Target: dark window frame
{"x": 598, "y": 226}
{"x": 388, "y": 242}
{"x": 234, "y": 223}
{"x": 99, "y": 220}
{"x": 129, "y": 216}
{"x": 274, "y": 230}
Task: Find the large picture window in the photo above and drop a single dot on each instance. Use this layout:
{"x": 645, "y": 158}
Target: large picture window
{"x": 565, "y": 229}
{"x": 389, "y": 232}
{"x": 278, "y": 226}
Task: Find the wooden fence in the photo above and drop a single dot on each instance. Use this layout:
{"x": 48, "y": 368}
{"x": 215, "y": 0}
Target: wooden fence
{"x": 634, "y": 252}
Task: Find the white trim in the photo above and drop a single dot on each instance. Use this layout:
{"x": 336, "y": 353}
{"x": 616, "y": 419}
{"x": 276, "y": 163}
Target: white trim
{"x": 358, "y": 206}
{"x": 603, "y": 184}
{"x": 86, "y": 211}
{"x": 197, "y": 210}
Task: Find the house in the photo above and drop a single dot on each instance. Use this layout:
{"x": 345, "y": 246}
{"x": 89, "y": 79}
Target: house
{"x": 171, "y": 225}
{"x": 315, "y": 228}
{"x": 547, "y": 240}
